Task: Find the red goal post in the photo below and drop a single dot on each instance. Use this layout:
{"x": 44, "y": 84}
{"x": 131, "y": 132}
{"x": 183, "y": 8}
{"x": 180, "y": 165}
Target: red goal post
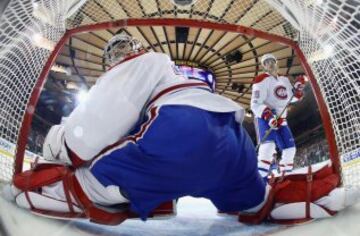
{"x": 24, "y": 131}
{"x": 329, "y": 26}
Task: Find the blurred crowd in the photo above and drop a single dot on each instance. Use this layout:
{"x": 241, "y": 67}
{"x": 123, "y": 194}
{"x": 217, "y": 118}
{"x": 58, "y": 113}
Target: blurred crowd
{"x": 313, "y": 151}
{"x": 35, "y": 141}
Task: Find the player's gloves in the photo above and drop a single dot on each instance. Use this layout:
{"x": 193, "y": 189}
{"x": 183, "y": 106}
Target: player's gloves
{"x": 54, "y": 148}
{"x": 299, "y": 86}
{"x": 273, "y": 121}
{"x": 300, "y": 197}
{"x": 267, "y": 114}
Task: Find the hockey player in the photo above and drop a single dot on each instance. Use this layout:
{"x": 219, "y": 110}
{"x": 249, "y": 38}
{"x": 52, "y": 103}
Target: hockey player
{"x": 146, "y": 136}
{"x": 270, "y": 95}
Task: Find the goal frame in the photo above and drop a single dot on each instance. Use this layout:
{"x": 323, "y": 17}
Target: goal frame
{"x": 34, "y": 97}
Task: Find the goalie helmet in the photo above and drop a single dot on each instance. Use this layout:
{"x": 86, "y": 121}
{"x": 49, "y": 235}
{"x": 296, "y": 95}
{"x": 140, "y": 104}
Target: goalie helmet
{"x": 266, "y": 57}
{"x": 121, "y": 46}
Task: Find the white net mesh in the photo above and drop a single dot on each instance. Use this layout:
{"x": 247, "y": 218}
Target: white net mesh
{"x": 330, "y": 40}
{"x": 28, "y": 32}
{"x": 252, "y": 13}
{"x": 327, "y": 31}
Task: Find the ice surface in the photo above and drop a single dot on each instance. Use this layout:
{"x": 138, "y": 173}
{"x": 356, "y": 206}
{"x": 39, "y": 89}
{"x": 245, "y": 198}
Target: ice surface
{"x": 195, "y": 217}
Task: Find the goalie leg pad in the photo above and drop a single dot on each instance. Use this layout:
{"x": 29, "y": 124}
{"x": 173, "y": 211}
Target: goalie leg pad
{"x": 296, "y": 212}
{"x": 33, "y": 196}
{"x": 41, "y": 175}
{"x": 326, "y": 206}
{"x": 46, "y": 206}
{"x": 307, "y": 190}
{"x": 38, "y": 186}
{"x": 76, "y": 205}
{"x": 296, "y": 191}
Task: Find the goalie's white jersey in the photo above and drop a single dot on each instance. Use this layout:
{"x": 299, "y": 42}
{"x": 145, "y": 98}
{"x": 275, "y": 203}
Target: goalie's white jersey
{"x": 124, "y": 91}
{"x": 270, "y": 92}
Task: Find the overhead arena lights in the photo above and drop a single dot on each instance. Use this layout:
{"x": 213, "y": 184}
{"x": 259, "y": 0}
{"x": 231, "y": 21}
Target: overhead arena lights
{"x": 61, "y": 69}
{"x": 82, "y": 96}
{"x": 322, "y": 53}
{"x": 40, "y": 41}
{"x": 41, "y": 13}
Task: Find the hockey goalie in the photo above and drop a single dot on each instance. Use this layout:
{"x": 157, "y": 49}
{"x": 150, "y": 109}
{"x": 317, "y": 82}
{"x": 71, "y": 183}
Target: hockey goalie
{"x": 147, "y": 136}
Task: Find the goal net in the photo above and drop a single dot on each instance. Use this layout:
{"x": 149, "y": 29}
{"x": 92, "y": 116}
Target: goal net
{"x": 323, "y": 33}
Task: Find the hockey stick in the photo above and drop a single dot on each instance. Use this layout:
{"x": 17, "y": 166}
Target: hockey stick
{"x": 267, "y": 133}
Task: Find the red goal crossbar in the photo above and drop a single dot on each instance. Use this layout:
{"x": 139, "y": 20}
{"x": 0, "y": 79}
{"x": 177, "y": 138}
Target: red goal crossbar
{"x": 26, "y": 124}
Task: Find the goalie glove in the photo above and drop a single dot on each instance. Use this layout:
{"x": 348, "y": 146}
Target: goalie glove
{"x": 56, "y": 150}
{"x": 54, "y": 147}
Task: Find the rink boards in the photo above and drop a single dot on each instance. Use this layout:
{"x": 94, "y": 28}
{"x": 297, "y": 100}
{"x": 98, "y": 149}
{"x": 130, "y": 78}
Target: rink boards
{"x": 7, "y": 154}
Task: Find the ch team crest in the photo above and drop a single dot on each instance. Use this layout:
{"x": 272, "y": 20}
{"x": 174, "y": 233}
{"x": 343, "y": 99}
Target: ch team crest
{"x": 280, "y": 92}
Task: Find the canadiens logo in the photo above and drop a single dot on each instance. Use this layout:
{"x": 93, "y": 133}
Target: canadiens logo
{"x": 280, "y": 92}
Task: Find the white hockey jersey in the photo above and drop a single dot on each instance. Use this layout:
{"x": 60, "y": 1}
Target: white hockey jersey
{"x": 116, "y": 101}
{"x": 272, "y": 92}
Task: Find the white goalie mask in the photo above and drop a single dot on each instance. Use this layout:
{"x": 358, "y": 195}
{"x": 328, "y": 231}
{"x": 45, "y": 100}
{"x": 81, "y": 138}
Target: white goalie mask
{"x": 120, "y": 46}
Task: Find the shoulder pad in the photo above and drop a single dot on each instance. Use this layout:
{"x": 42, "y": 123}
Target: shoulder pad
{"x": 260, "y": 78}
